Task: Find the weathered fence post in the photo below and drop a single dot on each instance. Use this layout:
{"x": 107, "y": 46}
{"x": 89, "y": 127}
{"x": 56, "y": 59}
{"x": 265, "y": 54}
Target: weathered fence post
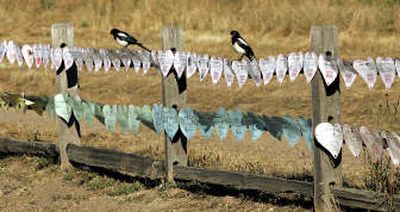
{"x": 174, "y": 95}
{"x": 326, "y": 108}
{"x": 64, "y": 33}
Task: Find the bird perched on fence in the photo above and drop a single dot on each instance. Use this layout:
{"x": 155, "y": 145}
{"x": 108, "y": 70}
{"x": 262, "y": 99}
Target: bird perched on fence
{"x": 126, "y": 39}
{"x": 241, "y": 46}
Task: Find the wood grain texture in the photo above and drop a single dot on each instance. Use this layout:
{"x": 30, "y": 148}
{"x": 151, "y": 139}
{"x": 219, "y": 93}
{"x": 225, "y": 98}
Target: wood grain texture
{"x": 326, "y": 108}
{"x": 115, "y": 161}
{"x": 10, "y": 146}
{"x": 355, "y": 198}
{"x": 174, "y": 95}
{"x": 64, "y": 33}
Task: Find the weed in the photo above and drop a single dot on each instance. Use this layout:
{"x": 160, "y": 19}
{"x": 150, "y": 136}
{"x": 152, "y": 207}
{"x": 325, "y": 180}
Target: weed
{"x": 124, "y": 188}
{"x": 38, "y": 163}
{"x": 47, "y": 4}
{"x": 96, "y": 182}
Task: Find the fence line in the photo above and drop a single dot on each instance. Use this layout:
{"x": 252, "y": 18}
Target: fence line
{"x": 189, "y": 121}
{"x": 260, "y": 71}
{"x": 326, "y": 108}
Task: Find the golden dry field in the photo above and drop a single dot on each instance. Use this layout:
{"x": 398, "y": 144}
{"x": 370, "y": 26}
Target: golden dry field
{"x": 366, "y": 27}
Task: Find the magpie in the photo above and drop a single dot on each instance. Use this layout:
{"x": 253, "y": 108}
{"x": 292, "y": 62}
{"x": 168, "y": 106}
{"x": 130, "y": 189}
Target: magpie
{"x": 126, "y": 39}
{"x": 240, "y": 46}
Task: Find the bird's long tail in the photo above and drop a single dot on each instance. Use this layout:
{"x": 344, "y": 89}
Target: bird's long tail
{"x": 143, "y": 47}
{"x": 253, "y": 57}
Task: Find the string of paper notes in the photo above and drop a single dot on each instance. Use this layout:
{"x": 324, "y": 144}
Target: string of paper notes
{"x": 331, "y": 137}
{"x": 187, "y": 121}
{"x": 260, "y": 71}
{"x": 160, "y": 118}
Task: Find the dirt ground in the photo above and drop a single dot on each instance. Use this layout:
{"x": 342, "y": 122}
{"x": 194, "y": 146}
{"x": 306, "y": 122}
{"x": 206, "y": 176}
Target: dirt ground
{"x": 24, "y": 186}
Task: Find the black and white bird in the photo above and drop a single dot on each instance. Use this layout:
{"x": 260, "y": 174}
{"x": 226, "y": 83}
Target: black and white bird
{"x": 241, "y": 46}
{"x": 125, "y": 39}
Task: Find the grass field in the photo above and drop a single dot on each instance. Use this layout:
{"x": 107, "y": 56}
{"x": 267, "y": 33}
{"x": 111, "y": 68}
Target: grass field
{"x": 367, "y": 28}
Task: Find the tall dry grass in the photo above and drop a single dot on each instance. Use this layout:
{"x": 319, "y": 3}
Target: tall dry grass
{"x": 368, "y": 27}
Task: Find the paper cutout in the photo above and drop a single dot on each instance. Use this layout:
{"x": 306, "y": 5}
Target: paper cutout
{"x": 146, "y": 60}
{"x": 110, "y": 116}
{"x": 295, "y": 63}
{"x": 353, "y": 139}
{"x": 238, "y": 129}
{"x": 180, "y": 62}
{"x": 145, "y": 115}
{"x": 133, "y": 121}
{"x": 77, "y": 107}
{"x": 46, "y": 55}
{"x": 115, "y": 60}
{"x": 281, "y": 68}
{"x": 126, "y": 60}
{"x": 193, "y": 61}
{"x": 387, "y": 71}
{"x": 77, "y": 54}
{"x": 255, "y": 72}
{"x": 122, "y": 118}
{"x": 87, "y": 57}
{"x": 228, "y": 74}
{"x": 37, "y": 54}
{"x": 154, "y": 58}
{"x": 373, "y": 141}
{"x": 88, "y": 112}
{"x": 221, "y": 123}
{"x": 188, "y": 122}
{"x": 305, "y": 127}
{"x": 135, "y": 60}
{"x": 291, "y": 130}
{"x": 27, "y": 53}
{"x": 240, "y": 69}
{"x": 206, "y": 123}
{"x": 171, "y": 122}
{"x": 57, "y": 58}
{"x": 216, "y": 67}
{"x": 347, "y": 72}
{"x": 310, "y": 66}
{"x": 367, "y": 70}
{"x": 396, "y": 64}
{"x": 166, "y": 60}
{"x": 330, "y": 137}
{"x": 206, "y": 131}
{"x": 255, "y": 125}
{"x": 393, "y": 149}
{"x": 98, "y": 62}
{"x": 267, "y": 67}
{"x": 10, "y": 52}
{"x": 3, "y": 50}
{"x": 158, "y": 118}
{"x": 62, "y": 108}
{"x": 67, "y": 57}
{"x": 328, "y": 68}
{"x": 106, "y": 60}
{"x": 18, "y": 56}
{"x": 203, "y": 67}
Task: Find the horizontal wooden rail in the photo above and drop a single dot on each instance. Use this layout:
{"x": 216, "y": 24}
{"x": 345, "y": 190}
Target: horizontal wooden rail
{"x": 138, "y": 166}
{"x": 116, "y": 161}
{"x": 14, "y": 147}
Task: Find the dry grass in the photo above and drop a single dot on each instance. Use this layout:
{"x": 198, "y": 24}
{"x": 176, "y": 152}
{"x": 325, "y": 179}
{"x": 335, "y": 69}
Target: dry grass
{"x": 367, "y": 28}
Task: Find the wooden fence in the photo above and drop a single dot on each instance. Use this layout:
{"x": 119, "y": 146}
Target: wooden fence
{"x": 326, "y": 193}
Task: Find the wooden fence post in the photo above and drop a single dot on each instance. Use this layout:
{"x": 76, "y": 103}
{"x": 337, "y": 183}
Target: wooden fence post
{"x": 326, "y": 108}
{"x": 174, "y": 95}
{"x": 64, "y": 33}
